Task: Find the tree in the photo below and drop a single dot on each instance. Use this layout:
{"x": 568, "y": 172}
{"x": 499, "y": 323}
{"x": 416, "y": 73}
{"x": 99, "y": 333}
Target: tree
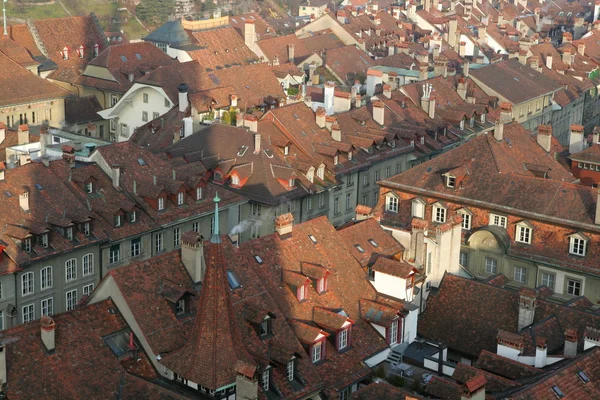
{"x": 155, "y": 11}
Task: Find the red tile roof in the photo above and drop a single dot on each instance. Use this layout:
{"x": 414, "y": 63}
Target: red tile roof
{"x": 355, "y": 235}
{"x": 384, "y": 391}
{"x": 221, "y": 48}
{"x": 348, "y": 63}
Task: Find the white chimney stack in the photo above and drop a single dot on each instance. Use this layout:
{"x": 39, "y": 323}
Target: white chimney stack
{"x": 24, "y": 201}
{"x": 2, "y": 364}
{"x": 116, "y": 175}
{"x": 48, "y": 328}
{"x": 183, "y": 97}
{"x": 192, "y": 255}
{"x": 256, "y": 143}
{"x": 379, "y": 112}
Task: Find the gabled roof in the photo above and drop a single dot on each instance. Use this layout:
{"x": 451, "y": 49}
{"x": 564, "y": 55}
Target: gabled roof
{"x": 171, "y": 33}
{"x": 221, "y": 48}
{"x": 591, "y": 154}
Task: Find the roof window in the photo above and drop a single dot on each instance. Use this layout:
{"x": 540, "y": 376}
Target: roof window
{"x": 558, "y": 392}
{"x": 232, "y": 279}
{"x": 120, "y": 342}
{"x": 583, "y": 376}
{"x": 312, "y": 239}
{"x": 373, "y": 243}
{"x": 258, "y": 259}
{"x": 359, "y": 248}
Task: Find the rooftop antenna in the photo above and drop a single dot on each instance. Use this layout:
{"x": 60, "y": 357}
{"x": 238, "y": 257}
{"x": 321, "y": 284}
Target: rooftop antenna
{"x": 215, "y": 237}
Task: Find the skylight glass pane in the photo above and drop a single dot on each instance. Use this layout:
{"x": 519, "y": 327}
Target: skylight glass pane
{"x": 233, "y": 282}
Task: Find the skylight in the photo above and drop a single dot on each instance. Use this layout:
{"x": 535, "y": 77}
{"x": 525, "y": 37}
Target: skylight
{"x": 558, "y": 392}
{"x": 38, "y": 186}
{"x": 258, "y": 259}
{"x": 232, "y": 279}
{"x": 141, "y": 161}
{"x": 583, "y": 376}
{"x": 123, "y": 58}
{"x": 120, "y": 342}
{"x": 373, "y": 243}
{"x": 138, "y": 56}
{"x": 359, "y": 248}
{"x": 312, "y": 239}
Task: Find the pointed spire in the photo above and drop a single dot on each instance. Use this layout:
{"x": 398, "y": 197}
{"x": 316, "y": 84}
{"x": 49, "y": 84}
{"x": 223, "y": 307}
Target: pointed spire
{"x": 216, "y": 238}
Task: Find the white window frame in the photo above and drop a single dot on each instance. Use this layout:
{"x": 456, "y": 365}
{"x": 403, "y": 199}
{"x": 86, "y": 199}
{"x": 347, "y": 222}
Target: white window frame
{"x": 180, "y": 198}
{"x": 135, "y": 247}
{"x": 392, "y": 203}
{"x": 27, "y": 284}
{"x": 522, "y": 274}
{"x": 70, "y": 300}
{"x": 1, "y": 320}
{"x": 47, "y": 306}
{"x": 26, "y": 310}
{"x": 158, "y": 242}
{"x": 46, "y": 278}
{"x": 498, "y": 220}
{"x": 467, "y": 219}
{"x": 265, "y": 380}
{"x": 89, "y": 187}
{"x": 343, "y": 339}
{"x": 577, "y": 245}
{"x": 491, "y": 265}
{"x": 161, "y": 203}
{"x": 198, "y": 193}
{"x": 439, "y": 213}
{"x": 290, "y": 370}
{"x": 114, "y": 256}
{"x": 235, "y": 180}
{"x": 176, "y": 237}
{"x": 145, "y": 97}
{"x": 464, "y": 259}
{"x": 547, "y": 278}
{"x": 394, "y": 332}
{"x": 88, "y": 289}
{"x": 317, "y": 352}
{"x": 321, "y": 200}
{"x": 196, "y": 227}
{"x": 418, "y": 208}
{"x": 523, "y": 234}
{"x": 87, "y": 262}
{"x": 321, "y": 172}
{"x": 70, "y": 270}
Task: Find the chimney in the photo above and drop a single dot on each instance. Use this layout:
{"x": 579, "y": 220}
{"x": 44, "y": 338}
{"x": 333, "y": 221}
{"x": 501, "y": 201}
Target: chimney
{"x": 570, "y": 349}
{"x": 544, "y": 137}
{"x": 431, "y": 110}
{"x": 482, "y": 31}
{"x": 246, "y": 382}
{"x": 251, "y": 122}
{"x": 320, "y": 117}
{"x": 423, "y": 72}
{"x": 466, "y": 69}
{"x": 462, "y": 49}
{"x": 363, "y": 212}
{"x": 256, "y": 143}
{"x": 596, "y": 135}
{"x": 581, "y": 49}
{"x": 566, "y": 56}
{"x": 461, "y": 88}
{"x": 328, "y": 96}
{"x": 47, "y": 329}
{"x": 576, "y": 139}
{"x": 183, "y": 97}
{"x": 452, "y": 26}
{"x": 427, "y": 88}
{"x": 505, "y": 111}
{"x": 549, "y": 61}
{"x": 541, "y": 352}
{"x": 2, "y": 171}
{"x": 387, "y": 91}
{"x": 23, "y": 134}
{"x": 2, "y": 132}
{"x": 499, "y": 129}
{"x": 527, "y": 303}
{"x": 116, "y": 175}
{"x": 192, "y": 255}
{"x": 474, "y": 388}
{"x": 358, "y": 101}
{"x": 567, "y": 37}
{"x": 379, "y": 112}
{"x": 249, "y": 34}
{"x": 591, "y": 338}
{"x": 284, "y": 224}
{"x": 291, "y": 53}
{"x": 336, "y": 132}
{"x": 24, "y": 200}
{"x": 234, "y": 100}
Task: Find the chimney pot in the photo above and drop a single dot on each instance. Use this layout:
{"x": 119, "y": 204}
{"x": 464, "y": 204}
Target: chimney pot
{"x": 47, "y": 330}
{"x": 23, "y": 134}
{"x": 284, "y": 224}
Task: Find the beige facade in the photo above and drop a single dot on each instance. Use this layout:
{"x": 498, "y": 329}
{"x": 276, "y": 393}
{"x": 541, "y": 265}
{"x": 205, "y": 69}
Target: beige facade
{"x": 50, "y": 111}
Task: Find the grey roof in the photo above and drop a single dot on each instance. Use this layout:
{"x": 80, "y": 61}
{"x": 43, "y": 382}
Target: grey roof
{"x": 171, "y": 33}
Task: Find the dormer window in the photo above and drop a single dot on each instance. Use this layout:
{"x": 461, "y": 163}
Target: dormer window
{"x": 96, "y": 49}
{"x": 291, "y": 182}
{"x": 265, "y": 328}
{"x": 336, "y": 160}
{"x": 310, "y": 174}
{"x": 349, "y": 156}
{"x": 286, "y": 150}
{"x": 451, "y": 181}
{"x": 472, "y": 122}
{"x": 235, "y": 180}
{"x": 321, "y": 172}
{"x": 482, "y": 118}
{"x": 180, "y": 198}
{"x": 198, "y": 193}
{"x": 418, "y": 208}
{"x": 266, "y": 379}
{"x": 218, "y": 176}
{"x": 27, "y": 244}
{"x": 439, "y": 213}
{"x": 578, "y": 244}
{"x": 301, "y": 292}
{"x": 132, "y": 216}
{"x": 291, "y": 369}
{"x": 322, "y": 285}
{"x": 161, "y": 203}
{"x": 523, "y": 233}
{"x": 466, "y": 218}
{"x": 498, "y": 220}
{"x": 44, "y": 240}
{"x": 317, "y": 352}
{"x": 89, "y": 187}
{"x": 65, "y": 53}
{"x": 86, "y": 228}
{"x": 180, "y": 306}
{"x": 342, "y": 337}
{"x": 422, "y": 139}
{"x": 391, "y": 203}
{"x": 80, "y": 51}
{"x": 69, "y": 233}
{"x": 117, "y": 221}
{"x": 462, "y": 124}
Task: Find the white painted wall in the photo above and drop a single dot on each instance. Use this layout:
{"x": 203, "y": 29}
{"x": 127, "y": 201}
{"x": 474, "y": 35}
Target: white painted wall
{"x": 181, "y": 55}
{"x": 410, "y": 326}
{"x": 390, "y": 285}
{"x": 560, "y": 279}
{"x": 378, "y": 358}
{"x": 469, "y": 45}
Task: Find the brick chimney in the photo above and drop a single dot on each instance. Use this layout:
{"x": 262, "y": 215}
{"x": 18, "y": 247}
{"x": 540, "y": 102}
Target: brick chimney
{"x": 570, "y": 349}
{"x": 320, "y": 115}
{"x": 116, "y": 175}
{"x": 527, "y": 304}
{"x": 284, "y": 224}
{"x": 474, "y": 388}
{"x": 192, "y": 255}
{"x": 544, "y": 137}
{"x": 24, "y": 201}
{"x": 336, "y": 132}
{"x": 541, "y": 352}
{"x": 576, "y": 139}
{"x": 23, "y": 134}
{"x": 379, "y": 112}
{"x": 251, "y": 122}
{"x": 47, "y": 330}
{"x": 363, "y": 212}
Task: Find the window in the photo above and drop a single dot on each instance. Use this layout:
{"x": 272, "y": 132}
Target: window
{"x": 345, "y": 393}
{"x": 89, "y": 187}
{"x": 117, "y": 221}
{"x": 70, "y": 233}
{"x": 255, "y": 231}
{"x": 308, "y": 204}
{"x": 145, "y": 96}
{"x": 439, "y": 214}
{"x": 180, "y": 307}
{"x": 321, "y": 200}
{"x": 450, "y": 181}
{"x": 176, "y": 237}
{"x": 573, "y": 287}
{"x": 235, "y": 180}
{"x": 350, "y": 180}
{"x": 265, "y": 379}
{"x": 145, "y": 116}
{"x": 394, "y": 332}
{"x": 418, "y": 208}
{"x": 114, "y": 254}
{"x": 46, "y": 278}
{"x": 286, "y": 150}
{"x": 466, "y": 220}
{"x": 88, "y": 289}
{"x": 336, "y": 206}
{"x": 27, "y": 283}
{"x": 136, "y": 247}
{"x": 336, "y": 160}
{"x": 196, "y": 227}
{"x": 265, "y": 327}
{"x": 359, "y": 248}
{"x": 161, "y": 203}
{"x": 88, "y": 264}
{"x": 316, "y": 352}
{"x": 28, "y": 312}
{"x": 71, "y": 299}
{"x": 377, "y": 176}
{"x": 348, "y": 201}
{"x": 388, "y": 172}
{"x": 301, "y": 293}
{"x": 343, "y": 339}
{"x": 491, "y": 265}
{"x": 498, "y": 220}
{"x": 167, "y": 103}
{"x": 578, "y": 246}
{"x": 198, "y": 193}
{"x": 366, "y": 179}
{"x": 132, "y": 216}
{"x": 27, "y": 244}
{"x": 232, "y": 280}
{"x": 180, "y": 198}
{"x": 548, "y": 280}
{"x": 0, "y": 290}
{"x": 44, "y": 240}
{"x": 86, "y": 228}
{"x": 158, "y": 242}
{"x": 523, "y": 234}
{"x": 290, "y": 370}
{"x": 71, "y": 270}
{"x": 256, "y": 209}
{"x": 321, "y": 172}
{"x": 521, "y": 274}
{"x": 464, "y": 259}
{"x": 155, "y": 115}
{"x": 48, "y": 306}
{"x": 462, "y": 124}
{"x": 391, "y": 204}
{"x": 321, "y": 285}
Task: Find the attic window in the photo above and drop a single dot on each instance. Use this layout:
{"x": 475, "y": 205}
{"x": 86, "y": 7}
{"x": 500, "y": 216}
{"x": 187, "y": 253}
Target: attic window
{"x": 27, "y": 244}
{"x": 359, "y": 248}
{"x": 312, "y": 239}
{"x": 80, "y": 51}
{"x": 86, "y": 228}
{"x": 558, "y": 392}
{"x": 286, "y": 150}
{"x": 258, "y": 259}
{"x": 583, "y": 376}
{"x": 65, "y": 54}
{"x": 450, "y": 181}
{"x": 291, "y": 182}
{"x": 180, "y": 307}
{"x": 44, "y": 240}
{"x": 373, "y": 243}
{"x": 349, "y": 156}
{"x": 265, "y": 327}
{"x": 232, "y": 279}
{"x": 336, "y": 160}
{"x": 89, "y": 187}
